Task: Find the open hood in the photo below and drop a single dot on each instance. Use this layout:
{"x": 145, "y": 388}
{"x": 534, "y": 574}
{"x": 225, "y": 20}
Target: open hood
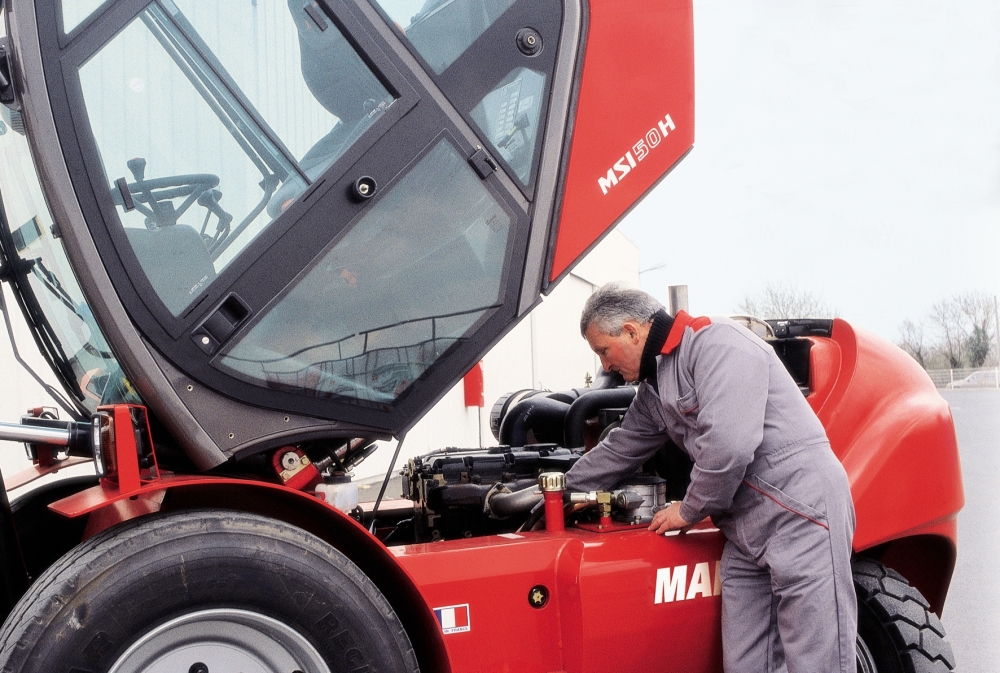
{"x": 292, "y": 219}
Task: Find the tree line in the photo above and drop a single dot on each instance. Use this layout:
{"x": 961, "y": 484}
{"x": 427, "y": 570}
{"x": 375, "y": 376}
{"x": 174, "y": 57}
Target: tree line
{"x": 959, "y": 332}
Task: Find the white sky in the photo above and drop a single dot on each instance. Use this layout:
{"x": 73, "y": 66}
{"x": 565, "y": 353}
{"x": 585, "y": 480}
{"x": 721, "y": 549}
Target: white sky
{"x": 849, "y": 148}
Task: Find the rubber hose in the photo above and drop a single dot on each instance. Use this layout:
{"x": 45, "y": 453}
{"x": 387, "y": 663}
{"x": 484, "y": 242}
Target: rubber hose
{"x": 587, "y": 406}
{"x": 503, "y": 505}
{"x": 542, "y": 414}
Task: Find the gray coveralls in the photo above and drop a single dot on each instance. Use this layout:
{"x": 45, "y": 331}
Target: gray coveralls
{"x": 765, "y": 473}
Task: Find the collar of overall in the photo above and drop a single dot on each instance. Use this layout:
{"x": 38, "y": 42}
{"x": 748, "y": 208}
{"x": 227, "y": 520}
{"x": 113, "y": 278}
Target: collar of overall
{"x": 657, "y": 337}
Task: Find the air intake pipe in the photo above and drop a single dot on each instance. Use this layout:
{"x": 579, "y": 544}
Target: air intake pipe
{"x": 542, "y": 415}
{"x": 587, "y": 406}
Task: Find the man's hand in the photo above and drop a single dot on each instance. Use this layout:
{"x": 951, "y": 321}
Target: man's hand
{"x": 670, "y": 519}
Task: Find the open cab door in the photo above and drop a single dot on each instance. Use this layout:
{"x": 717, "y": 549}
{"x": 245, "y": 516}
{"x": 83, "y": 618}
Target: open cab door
{"x": 294, "y": 219}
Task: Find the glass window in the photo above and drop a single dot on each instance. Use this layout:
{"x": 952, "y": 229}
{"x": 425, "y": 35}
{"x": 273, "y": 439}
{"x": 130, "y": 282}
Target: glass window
{"x": 411, "y": 278}
{"x": 58, "y": 306}
{"x": 441, "y": 30}
{"x": 75, "y": 12}
{"x": 211, "y": 123}
{"x": 508, "y": 116}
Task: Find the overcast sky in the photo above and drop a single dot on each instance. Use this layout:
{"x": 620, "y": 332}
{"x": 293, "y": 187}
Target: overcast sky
{"x": 849, "y": 148}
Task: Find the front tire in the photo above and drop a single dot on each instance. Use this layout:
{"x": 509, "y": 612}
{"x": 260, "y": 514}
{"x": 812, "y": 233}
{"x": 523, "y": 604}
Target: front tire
{"x": 897, "y": 632}
{"x": 211, "y": 591}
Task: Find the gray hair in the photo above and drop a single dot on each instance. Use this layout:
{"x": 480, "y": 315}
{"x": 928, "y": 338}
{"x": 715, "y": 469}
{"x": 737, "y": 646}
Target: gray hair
{"x": 614, "y": 304}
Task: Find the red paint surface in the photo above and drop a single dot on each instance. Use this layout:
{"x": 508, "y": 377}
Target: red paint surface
{"x": 638, "y": 67}
{"x": 893, "y": 432}
{"x": 554, "y": 519}
{"x": 601, "y": 614}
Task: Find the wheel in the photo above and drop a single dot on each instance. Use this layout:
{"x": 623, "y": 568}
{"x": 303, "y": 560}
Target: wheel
{"x": 204, "y": 591}
{"x": 897, "y": 632}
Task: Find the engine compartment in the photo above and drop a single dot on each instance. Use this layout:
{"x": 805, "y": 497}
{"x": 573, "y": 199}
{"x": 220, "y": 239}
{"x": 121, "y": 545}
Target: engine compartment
{"x": 468, "y": 492}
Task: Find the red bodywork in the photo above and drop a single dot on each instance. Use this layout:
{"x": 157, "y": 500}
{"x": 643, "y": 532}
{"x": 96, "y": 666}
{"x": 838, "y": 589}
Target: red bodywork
{"x": 614, "y": 598}
{"x": 622, "y": 111}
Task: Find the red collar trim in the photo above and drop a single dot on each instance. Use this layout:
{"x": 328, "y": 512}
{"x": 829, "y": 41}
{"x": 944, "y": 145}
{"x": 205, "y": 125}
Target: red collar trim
{"x": 682, "y": 320}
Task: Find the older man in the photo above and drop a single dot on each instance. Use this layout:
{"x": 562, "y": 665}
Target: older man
{"x": 763, "y": 470}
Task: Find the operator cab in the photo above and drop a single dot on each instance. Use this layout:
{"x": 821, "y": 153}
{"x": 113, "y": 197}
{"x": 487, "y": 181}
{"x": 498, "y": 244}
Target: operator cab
{"x": 287, "y": 219}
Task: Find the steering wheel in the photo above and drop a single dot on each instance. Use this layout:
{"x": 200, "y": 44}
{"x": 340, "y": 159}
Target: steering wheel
{"x": 154, "y": 198}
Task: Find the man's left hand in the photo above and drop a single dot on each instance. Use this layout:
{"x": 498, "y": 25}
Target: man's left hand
{"x": 670, "y": 519}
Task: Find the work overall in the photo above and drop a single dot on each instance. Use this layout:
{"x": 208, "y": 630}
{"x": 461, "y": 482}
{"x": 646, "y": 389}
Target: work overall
{"x": 765, "y": 473}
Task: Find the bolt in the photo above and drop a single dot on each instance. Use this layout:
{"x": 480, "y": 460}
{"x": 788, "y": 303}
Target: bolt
{"x": 205, "y": 340}
{"x": 190, "y": 387}
{"x": 290, "y": 460}
{"x": 286, "y": 419}
{"x": 531, "y": 40}
{"x": 231, "y": 435}
{"x": 363, "y": 188}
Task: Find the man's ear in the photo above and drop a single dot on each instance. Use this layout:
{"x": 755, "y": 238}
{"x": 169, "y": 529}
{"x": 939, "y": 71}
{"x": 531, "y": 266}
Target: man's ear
{"x": 631, "y": 329}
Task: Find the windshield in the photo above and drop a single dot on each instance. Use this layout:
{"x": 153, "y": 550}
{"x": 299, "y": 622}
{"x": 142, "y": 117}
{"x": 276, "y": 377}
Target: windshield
{"x": 231, "y": 110}
{"x": 442, "y": 30}
{"x": 411, "y": 279}
{"x": 41, "y": 274}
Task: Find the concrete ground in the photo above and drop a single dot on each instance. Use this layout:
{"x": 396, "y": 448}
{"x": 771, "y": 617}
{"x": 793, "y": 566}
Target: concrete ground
{"x": 972, "y": 612}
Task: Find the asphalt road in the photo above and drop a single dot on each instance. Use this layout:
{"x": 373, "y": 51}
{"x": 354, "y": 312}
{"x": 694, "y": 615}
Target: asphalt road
{"x": 972, "y": 611}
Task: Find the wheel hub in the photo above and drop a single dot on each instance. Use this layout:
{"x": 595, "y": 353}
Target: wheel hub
{"x": 221, "y": 641}
{"x": 866, "y": 662}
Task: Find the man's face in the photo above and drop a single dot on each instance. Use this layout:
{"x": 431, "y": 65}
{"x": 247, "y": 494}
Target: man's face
{"x": 621, "y": 353}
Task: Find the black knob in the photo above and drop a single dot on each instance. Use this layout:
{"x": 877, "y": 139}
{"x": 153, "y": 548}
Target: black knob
{"x": 364, "y": 188}
{"x": 529, "y": 41}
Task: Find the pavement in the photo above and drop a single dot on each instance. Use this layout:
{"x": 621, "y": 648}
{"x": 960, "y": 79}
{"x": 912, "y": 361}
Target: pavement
{"x": 972, "y": 612}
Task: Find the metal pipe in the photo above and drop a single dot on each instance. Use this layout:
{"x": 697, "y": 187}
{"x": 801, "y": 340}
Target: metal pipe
{"x": 678, "y": 295}
{"x": 31, "y": 434}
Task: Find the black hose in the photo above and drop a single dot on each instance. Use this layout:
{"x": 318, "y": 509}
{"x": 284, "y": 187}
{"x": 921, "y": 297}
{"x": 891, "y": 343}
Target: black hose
{"x": 503, "y": 505}
{"x": 542, "y": 415}
{"x": 587, "y": 406}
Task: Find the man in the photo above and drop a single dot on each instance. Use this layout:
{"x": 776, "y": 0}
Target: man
{"x": 763, "y": 470}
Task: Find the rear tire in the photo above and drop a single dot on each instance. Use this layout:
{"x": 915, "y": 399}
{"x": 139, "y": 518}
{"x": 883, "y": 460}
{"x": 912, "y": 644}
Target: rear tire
{"x": 204, "y": 590}
{"x": 897, "y": 632}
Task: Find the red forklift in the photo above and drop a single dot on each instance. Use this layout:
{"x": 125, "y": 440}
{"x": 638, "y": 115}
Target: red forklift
{"x": 251, "y": 238}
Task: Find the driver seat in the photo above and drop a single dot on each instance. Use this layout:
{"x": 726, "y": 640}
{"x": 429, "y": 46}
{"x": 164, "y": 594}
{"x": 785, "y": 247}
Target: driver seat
{"x": 176, "y": 262}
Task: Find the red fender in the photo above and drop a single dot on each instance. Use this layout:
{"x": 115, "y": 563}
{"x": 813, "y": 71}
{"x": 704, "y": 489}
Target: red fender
{"x": 891, "y": 428}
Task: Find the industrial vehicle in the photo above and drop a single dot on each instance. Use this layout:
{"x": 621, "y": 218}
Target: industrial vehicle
{"x": 252, "y": 237}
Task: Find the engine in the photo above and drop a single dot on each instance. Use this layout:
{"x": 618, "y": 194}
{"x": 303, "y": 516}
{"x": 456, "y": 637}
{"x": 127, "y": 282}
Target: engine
{"x": 462, "y": 493}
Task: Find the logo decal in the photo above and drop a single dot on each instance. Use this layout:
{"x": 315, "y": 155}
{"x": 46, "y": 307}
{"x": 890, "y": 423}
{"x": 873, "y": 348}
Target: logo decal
{"x": 672, "y": 584}
{"x": 641, "y": 150}
{"x": 453, "y": 618}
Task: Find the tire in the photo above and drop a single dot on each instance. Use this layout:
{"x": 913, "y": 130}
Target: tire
{"x": 897, "y": 632}
{"x": 204, "y": 591}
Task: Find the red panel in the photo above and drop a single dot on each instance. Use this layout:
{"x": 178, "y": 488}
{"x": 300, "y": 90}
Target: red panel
{"x": 473, "y": 384}
{"x": 602, "y": 614}
{"x": 634, "y": 117}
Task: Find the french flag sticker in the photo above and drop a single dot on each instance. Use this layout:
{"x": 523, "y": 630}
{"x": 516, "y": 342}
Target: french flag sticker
{"x": 453, "y": 619}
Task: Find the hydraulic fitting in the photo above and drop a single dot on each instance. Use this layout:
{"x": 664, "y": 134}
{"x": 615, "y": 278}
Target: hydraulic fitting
{"x": 552, "y": 485}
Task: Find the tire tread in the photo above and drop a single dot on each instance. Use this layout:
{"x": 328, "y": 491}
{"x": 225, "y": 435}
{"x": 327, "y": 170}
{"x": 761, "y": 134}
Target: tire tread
{"x": 905, "y": 614}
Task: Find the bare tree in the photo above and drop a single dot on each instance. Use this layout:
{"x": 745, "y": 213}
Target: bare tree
{"x": 948, "y": 321}
{"x": 963, "y": 331}
{"x": 911, "y": 340}
{"x": 783, "y": 300}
